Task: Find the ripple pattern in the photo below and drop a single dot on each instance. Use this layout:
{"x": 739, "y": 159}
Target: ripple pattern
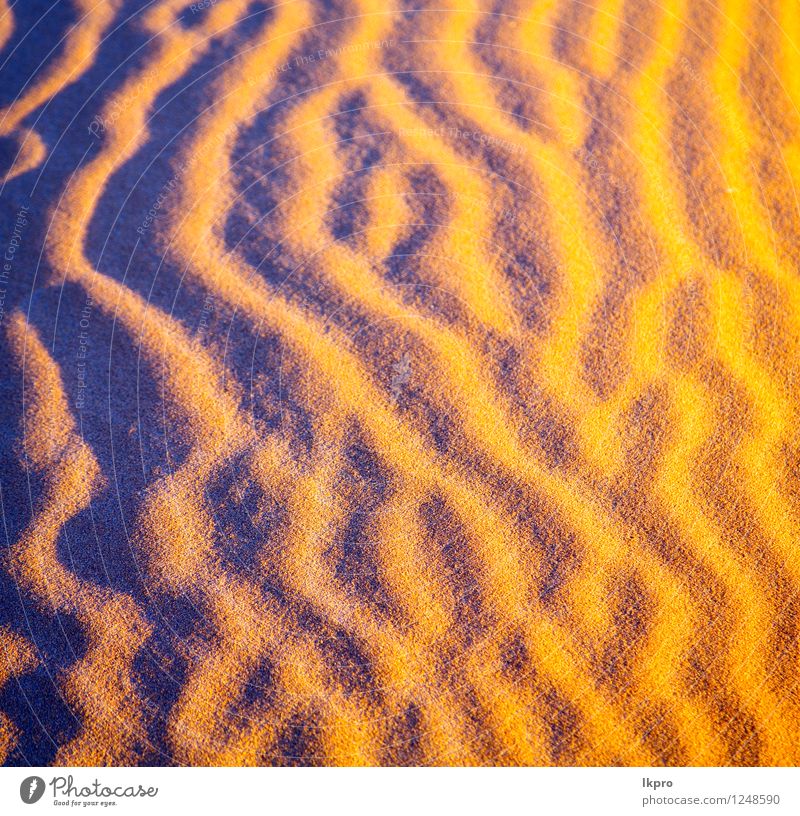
{"x": 392, "y": 383}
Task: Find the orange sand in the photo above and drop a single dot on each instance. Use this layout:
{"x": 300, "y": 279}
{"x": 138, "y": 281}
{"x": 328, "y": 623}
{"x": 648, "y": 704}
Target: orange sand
{"x": 395, "y": 387}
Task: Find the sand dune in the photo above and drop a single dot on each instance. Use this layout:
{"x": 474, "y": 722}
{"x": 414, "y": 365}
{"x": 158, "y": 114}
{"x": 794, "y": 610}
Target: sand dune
{"x": 395, "y": 383}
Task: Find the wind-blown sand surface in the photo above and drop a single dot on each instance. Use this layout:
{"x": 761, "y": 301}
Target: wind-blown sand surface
{"x": 393, "y": 383}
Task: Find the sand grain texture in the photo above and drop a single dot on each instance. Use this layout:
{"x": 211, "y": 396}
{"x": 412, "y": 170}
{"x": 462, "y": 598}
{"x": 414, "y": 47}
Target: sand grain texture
{"x": 391, "y": 383}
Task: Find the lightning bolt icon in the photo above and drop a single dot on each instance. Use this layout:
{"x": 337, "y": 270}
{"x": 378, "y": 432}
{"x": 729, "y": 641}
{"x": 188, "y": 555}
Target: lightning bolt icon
{"x": 34, "y": 785}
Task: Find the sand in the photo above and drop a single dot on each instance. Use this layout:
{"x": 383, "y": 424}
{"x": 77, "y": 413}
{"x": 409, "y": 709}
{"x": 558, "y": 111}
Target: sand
{"x": 399, "y": 383}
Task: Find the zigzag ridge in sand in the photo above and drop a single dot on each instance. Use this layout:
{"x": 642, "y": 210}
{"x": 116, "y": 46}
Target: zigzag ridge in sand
{"x": 397, "y": 385}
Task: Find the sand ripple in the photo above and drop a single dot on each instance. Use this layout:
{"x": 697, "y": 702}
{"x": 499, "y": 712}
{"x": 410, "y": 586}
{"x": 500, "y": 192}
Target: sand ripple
{"x": 400, "y": 384}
